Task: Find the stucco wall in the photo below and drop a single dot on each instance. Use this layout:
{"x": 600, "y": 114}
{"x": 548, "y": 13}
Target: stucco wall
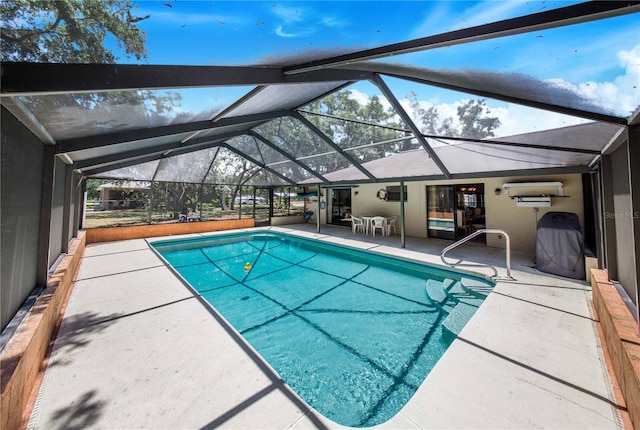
{"x": 501, "y": 211}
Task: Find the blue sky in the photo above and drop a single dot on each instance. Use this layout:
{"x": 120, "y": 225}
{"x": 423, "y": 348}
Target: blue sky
{"x": 599, "y": 58}
{"x": 241, "y": 32}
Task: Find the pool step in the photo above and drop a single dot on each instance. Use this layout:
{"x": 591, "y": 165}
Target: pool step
{"x": 460, "y": 299}
{"x": 436, "y": 292}
{"x": 477, "y": 287}
{"x": 458, "y": 317}
{"x": 437, "y": 295}
{"x": 459, "y": 293}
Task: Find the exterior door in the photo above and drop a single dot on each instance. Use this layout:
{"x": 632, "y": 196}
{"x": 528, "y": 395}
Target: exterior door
{"x": 470, "y": 211}
{"x": 455, "y": 211}
{"x": 440, "y": 212}
{"x": 263, "y": 206}
{"x": 340, "y": 206}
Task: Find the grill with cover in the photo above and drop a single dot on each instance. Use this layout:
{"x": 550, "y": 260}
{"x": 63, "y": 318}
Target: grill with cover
{"x": 559, "y": 245}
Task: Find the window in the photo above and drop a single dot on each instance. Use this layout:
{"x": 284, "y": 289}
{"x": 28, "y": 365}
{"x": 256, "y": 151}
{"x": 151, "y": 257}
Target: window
{"x": 470, "y": 200}
{"x": 393, "y": 193}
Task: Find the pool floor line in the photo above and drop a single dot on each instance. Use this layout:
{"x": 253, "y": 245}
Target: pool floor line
{"x": 299, "y": 264}
{"x": 400, "y": 380}
{"x": 290, "y": 311}
{"x": 397, "y": 380}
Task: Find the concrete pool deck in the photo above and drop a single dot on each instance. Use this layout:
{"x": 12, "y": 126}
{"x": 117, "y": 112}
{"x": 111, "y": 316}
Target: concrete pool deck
{"x": 136, "y": 349}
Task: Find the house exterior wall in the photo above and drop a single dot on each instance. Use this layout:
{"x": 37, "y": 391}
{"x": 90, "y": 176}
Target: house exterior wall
{"x": 501, "y": 211}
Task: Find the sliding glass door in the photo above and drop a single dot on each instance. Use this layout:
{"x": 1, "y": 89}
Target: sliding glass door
{"x": 455, "y": 211}
{"x": 440, "y": 212}
{"x": 340, "y": 206}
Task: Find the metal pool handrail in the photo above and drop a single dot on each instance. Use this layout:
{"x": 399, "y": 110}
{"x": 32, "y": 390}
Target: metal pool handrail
{"x": 471, "y": 236}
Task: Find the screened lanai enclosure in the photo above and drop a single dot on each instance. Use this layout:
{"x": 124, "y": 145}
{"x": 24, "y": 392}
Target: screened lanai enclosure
{"x": 251, "y": 117}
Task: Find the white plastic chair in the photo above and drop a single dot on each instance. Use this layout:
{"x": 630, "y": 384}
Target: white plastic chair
{"x": 357, "y": 224}
{"x": 378, "y": 222}
{"x": 391, "y": 224}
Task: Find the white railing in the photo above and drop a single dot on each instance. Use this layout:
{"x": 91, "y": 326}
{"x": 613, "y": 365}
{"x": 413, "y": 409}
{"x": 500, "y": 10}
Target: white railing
{"x": 471, "y": 236}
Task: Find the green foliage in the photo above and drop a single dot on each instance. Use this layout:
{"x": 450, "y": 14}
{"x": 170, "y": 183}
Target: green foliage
{"x": 69, "y": 31}
{"x": 473, "y": 118}
{"x": 355, "y": 127}
{"x": 76, "y": 31}
{"x": 92, "y": 188}
{"x": 175, "y": 197}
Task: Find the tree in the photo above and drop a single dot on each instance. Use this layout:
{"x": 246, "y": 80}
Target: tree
{"x": 473, "y": 118}
{"x": 76, "y": 31}
{"x": 69, "y": 31}
{"x": 92, "y": 188}
{"x": 356, "y": 128}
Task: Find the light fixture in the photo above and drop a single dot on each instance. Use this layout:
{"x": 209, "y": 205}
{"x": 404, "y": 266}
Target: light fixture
{"x": 498, "y": 191}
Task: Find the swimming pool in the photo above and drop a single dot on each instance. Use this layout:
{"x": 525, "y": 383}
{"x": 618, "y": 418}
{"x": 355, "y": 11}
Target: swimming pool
{"x": 353, "y": 333}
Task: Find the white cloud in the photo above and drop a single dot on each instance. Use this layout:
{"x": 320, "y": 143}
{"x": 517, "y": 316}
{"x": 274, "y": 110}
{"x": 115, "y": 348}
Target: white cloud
{"x": 288, "y": 14}
{"x": 279, "y": 31}
{"x": 517, "y": 119}
{"x": 622, "y": 95}
{"x": 359, "y": 96}
{"x": 302, "y": 21}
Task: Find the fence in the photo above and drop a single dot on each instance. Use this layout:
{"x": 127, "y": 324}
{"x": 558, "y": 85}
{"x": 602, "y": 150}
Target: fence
{"x": 121, "y": 203}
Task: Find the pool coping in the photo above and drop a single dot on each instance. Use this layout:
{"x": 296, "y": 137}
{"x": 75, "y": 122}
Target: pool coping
{"x": 480, "y": 348}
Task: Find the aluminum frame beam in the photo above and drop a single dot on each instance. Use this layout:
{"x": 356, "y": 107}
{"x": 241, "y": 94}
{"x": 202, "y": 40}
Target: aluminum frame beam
{"x": 331, "y": 143}
{"x": 25, "y": 79}
{"x": 286, "y": 155}
{"x": 258, "y": 163}
{"x": 174, "y": 148}
{"x": 514, "y": 144}
{"x": 460, "y": 176}
{"x": 380, "y": 83}
{"x": 517, "y": 100}
{"x": 90, "y": 142}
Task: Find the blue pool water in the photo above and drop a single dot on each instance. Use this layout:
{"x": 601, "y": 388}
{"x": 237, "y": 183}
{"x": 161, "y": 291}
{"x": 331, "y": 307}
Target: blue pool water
{"x": 353, "y": 333}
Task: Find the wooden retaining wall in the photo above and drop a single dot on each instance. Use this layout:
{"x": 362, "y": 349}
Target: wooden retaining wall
{"x": 620, "y": 333}
{"x": 109, "y": 234}
{"x": 22, "y": 361}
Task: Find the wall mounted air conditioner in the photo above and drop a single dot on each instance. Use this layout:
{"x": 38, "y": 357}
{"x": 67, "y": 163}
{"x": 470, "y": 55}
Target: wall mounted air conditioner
{"x": 533, "y": 201}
